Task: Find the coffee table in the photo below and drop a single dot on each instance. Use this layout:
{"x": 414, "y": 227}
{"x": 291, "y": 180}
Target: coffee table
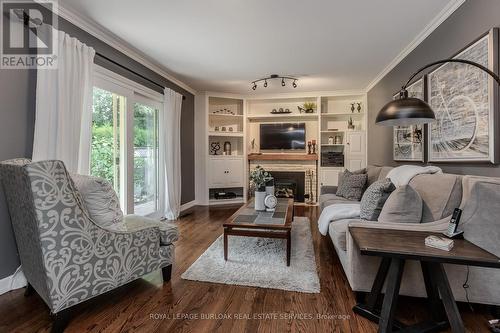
{"x": 248, "y": 222}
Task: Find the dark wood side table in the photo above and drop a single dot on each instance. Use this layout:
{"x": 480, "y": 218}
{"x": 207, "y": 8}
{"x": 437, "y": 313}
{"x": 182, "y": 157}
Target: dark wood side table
{"x": 397, "y": 246}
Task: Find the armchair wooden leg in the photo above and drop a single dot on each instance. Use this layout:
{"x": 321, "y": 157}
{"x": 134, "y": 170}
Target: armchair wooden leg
{"x": 29, "y": 290}
{"x": 167, "y": 273}
{"x": 61, "y": 320}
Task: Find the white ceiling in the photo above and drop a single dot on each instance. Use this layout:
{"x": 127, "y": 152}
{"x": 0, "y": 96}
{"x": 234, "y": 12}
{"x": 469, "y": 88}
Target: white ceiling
{"x": 223, "y": 45}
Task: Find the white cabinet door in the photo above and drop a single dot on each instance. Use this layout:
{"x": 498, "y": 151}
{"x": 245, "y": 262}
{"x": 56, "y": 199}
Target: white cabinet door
{"x": 329, "y": 177}
{"x": 355, "y": 143}
{"x": 356, "y": 163}
{"x": 234, "y": 172}
{"x": 355, "y": 151}
{"x": 225, "y": 172}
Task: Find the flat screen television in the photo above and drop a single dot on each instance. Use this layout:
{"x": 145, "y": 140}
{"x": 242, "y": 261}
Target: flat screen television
{"x": 283, "y": 136}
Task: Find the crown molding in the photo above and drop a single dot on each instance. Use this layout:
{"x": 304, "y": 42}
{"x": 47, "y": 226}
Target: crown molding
{"x": 117, "y": 43}
{"x": 450, "y": 8}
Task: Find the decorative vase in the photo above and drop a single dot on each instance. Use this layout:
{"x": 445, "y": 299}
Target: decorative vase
{"x": 270, "y": 187}
{"x": 260, "y": 195}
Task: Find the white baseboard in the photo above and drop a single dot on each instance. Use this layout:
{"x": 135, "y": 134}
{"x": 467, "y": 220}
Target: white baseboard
{"x": 14, "y": 281}
{"x": 188, "y": 205}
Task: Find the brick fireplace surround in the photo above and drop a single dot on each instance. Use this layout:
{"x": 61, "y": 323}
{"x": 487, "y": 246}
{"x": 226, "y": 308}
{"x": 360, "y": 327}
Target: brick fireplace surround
{"x": 292, "y": 166}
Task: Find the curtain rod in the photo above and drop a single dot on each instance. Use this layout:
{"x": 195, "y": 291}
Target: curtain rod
{"x": 132, "y": 71}
{"x": 22, "y": 15}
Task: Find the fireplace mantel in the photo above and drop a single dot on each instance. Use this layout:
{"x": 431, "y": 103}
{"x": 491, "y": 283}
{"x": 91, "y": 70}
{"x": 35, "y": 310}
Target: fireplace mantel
{"x": 282, "y": 157}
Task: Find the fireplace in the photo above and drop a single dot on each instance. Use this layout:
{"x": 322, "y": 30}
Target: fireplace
{"x": 289, "y": 185}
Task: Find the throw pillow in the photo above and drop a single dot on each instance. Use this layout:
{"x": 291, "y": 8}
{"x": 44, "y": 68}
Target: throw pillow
{"x": 374, "y": 198}
{"x": 404, "y": 205}
{"x": 100, "y": 199}
{"x": 352, "y": 185}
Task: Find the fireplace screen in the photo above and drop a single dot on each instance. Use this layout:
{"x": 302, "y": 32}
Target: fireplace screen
{"x": 289, "y": 185}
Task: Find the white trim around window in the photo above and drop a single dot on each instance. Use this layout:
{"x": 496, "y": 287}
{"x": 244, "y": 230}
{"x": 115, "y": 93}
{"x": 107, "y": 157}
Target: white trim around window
{"x": 133, "y": 93}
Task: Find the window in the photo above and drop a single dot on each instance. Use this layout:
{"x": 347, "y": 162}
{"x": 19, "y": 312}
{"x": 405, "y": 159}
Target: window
{"x": 145, "y": 159}
{"x": 125, "y": 140}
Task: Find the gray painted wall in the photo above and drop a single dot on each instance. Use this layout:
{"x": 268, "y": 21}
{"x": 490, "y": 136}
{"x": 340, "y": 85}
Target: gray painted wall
{"x": 470, "y": 21}
{"x": 17, "y": 113}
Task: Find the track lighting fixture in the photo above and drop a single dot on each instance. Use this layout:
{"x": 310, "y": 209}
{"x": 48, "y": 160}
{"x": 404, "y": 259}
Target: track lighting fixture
{"x": 275, "y": 76}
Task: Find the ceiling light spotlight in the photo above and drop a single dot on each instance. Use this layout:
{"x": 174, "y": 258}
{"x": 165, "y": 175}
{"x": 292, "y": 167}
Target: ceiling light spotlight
{"x": 277, "y": 77}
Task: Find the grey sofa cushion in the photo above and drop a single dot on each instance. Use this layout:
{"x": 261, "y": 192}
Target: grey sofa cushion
{"x": 376, "y": 173}
{"x": 440, "y": 193}
{"x": 328, "y": 199}
{"x": 374, "y": 198}
{"x": 100, "y": 199}
{"x": 351, "y": 185}
{"x": 337, "y": 231}
{"x": 404, "y": 205}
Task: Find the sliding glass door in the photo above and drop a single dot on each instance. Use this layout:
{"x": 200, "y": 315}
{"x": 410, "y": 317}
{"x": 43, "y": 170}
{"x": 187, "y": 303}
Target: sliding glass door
{"x": 105, "y": 159}
{"x": 125, "y": 141}
{"x": 145, "y": 157}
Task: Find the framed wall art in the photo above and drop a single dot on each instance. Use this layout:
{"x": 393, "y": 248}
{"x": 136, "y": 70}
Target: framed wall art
{"x": 408, "y": 141}
{"x": 465, "y": 101}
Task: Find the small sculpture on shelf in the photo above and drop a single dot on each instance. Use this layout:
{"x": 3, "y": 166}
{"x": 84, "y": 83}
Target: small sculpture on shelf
{"x": 350, "y": 124}
{"x": 309, "y": 145}
{"x": 330, "y": 140}
{"x": 227, "y": 148}
{"x": 314, "y": 146}
{"x": 352, "y": 107}
{"x": 214, "y": 148}
{"x": 281, "y": 111}
{"x": 224, "y": 111}
{"x": 359, "y": 107}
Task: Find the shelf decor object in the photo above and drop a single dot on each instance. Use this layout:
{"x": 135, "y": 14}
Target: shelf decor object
{"x": 463, "y": 121}
{"x": 408, "y": 141}
{"x": 273, "y": 77}
{"x": 308, "y": 107}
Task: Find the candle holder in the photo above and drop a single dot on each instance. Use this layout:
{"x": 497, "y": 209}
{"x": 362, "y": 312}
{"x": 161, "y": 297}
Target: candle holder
{"x": 309, "y": 147}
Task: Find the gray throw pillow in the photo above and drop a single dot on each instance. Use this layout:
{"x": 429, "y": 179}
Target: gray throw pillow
{"x": 99, "y": 198}
{"x": 374, "y": 198}
{"x": 404, "y": 205}
{"x": 351, "y": 185}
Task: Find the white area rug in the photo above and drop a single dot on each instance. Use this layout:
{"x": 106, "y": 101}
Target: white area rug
{"x": 261, "y": 262}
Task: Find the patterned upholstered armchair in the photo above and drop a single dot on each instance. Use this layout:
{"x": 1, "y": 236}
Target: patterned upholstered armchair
{"x": 66, "y": 256}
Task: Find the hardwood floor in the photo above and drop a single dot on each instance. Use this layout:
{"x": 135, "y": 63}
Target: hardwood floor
{"x": 147, "y": 305}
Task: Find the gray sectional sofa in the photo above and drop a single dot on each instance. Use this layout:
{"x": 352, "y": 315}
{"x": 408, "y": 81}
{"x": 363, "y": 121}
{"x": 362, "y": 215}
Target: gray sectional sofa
{"x": 479, "y": 197}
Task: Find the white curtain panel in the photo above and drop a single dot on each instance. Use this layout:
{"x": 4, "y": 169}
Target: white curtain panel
{"x": 170, "y": 155}
{"x": 63, "y": 122}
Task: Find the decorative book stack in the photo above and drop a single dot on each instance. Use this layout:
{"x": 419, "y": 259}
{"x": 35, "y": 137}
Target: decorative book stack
{"x": 439, "y": 243}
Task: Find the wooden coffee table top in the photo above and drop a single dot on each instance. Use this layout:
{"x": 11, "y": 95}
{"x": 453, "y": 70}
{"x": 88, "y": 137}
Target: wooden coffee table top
{"x": 248, "y": 218}
{"x": 411, "y": 245}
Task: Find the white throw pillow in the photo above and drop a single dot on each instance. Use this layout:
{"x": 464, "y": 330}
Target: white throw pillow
{"x": 100, "y": 199}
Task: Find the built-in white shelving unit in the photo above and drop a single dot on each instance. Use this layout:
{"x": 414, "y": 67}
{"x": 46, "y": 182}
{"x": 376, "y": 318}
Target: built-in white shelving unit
{"x": 329, "y": 121}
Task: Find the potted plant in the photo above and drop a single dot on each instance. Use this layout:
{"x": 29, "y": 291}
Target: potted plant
{"x": 258, "y": 178}
{"x": 309, "y": 107}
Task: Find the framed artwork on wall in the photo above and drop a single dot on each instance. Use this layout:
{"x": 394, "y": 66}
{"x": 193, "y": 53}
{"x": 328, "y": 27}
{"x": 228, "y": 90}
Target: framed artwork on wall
{"x": 465, "y": 101}
{"x": 408, "y": 141}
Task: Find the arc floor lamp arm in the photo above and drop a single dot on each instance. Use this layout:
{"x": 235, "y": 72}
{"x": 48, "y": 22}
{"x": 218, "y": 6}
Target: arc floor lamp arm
{"x": 463, "y": 61}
